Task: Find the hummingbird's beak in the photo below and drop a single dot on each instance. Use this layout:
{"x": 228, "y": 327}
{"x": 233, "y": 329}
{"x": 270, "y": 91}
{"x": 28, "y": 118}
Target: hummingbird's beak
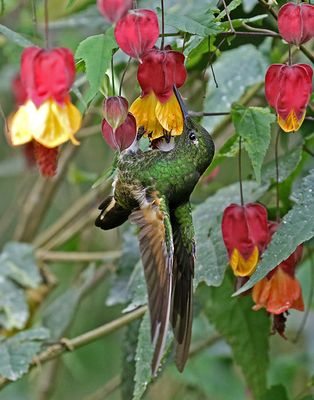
{"x": 181, "y": 102}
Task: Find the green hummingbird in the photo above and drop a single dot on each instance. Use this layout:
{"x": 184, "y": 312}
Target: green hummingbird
{"x": 152, "y": 189}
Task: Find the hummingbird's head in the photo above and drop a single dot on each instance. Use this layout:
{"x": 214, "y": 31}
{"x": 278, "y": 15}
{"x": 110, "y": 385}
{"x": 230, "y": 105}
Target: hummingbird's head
{"x": 195, "y": 142}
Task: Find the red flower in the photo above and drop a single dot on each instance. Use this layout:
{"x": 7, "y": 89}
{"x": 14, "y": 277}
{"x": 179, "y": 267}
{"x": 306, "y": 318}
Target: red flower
{"x": 296, "y": 22}
{"x": 18, "y": 90}
{"x": 158, "y": 110}
{"x": 122, "y": 137}
{"x": 47, "y": 74}
{"x": 245, "y": 233}
{"x": 280, "y": 290}
{"x": 115, "y": 110}
{"x": 113, "y": 10}
{"x": 137, "y": 32}
{"x": 288, "y": 89}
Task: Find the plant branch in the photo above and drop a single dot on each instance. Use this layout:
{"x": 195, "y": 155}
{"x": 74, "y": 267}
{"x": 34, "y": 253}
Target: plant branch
{"x": 66, "y": 345}
{"x": 64, "y": 256}
{"x": 277, "y": 176}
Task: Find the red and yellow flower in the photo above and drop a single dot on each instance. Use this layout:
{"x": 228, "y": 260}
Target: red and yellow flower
{"x": 157, "y": 109}
{"x": 296, "y": 22}
{"x": 245, "y": 234}
{"x": 288, "y": 90}
{"x": 280, "y": 291}
{"x": 47, "y": 114}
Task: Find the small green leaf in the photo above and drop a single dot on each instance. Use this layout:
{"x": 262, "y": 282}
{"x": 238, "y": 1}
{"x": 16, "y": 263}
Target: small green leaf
{"x": 295, "y": 228}
{"x": 245, "y": 330}
{"x": 96, "y": 51}
{"x": 231, "y": 6}
{"x": 13, "y": 306}
{"x": 15, "y": 37}
{"x": 277, "y": 392}
{"x": 17, "y": 352}
{"x": 253, "y": 125}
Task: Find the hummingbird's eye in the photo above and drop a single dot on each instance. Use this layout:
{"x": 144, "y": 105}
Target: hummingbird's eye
{"x": 192, "y": 135}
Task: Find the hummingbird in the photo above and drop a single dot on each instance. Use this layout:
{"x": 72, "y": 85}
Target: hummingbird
{"x": 152, "y": 189}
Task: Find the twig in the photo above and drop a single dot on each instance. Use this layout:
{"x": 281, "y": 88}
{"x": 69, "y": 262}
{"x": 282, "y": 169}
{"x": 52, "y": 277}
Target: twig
{"x": 277, "y": 177}
{"x": 307, "y": 150}
{"x": 162, "y": 24}
{"x": 47, "y": 41}
{"x": 240, "y": 170}
{"x": 73, "y": 256}
{"x": 64, "y": 346}
{"x": 228, "y": 16}
{"x": 123, "y": 75}
{"x": 207, "y": 114}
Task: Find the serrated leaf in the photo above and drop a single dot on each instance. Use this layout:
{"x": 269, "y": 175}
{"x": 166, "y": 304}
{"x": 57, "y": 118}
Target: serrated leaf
{"x": 277, "y": 392}
{"x": 18, "y": 263}
{"x": 211, "y": 255}
{"x": 17, "y": 352}
{"x": 96, "y": 51}
{"x": 287, "y": 164}
{"x": 13, "y": 306}
{"x": 245, "y": 330}
{"x": 201, "y": 25}
{"x": 296, "y": 227}
{"x": 144, "y": 354}
{"x": 235, "y": 71}
{"x": 15, "y": 37}
{"x": 253, "y": 125}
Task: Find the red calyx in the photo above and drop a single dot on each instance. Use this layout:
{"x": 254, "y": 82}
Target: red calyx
{"x": 115, "y": 110}
{"x": 113, "y": 10}
{"x": 123, "y": 136}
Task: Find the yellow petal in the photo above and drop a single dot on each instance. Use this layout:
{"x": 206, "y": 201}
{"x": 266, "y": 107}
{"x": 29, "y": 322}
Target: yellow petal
{"x": 56, "y": 124}
{"x": 20, "y": 124}
{"x": 143, "y": 109}
{"x": 291, "y": 124}
{"x": 241, "y": 266}
{"x": 170, "y": 116}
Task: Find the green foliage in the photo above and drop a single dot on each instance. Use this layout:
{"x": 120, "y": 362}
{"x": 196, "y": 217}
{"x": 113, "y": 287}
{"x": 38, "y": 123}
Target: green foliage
{"x": 15, "y": 37}
{"x": 277, "y": 392}
{"x": 245, "y": 330}
{"x": 17, "y": 352}
{"x": 293, "y": 230}
{"x": 96, "y": 51}
{"x": 18, "y": 272}
{"x": 253, "y": 125}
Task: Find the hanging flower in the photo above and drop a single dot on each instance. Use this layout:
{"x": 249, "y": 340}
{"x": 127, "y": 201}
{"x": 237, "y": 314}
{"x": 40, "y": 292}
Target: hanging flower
{"x": 157, "y": 109}
{"x": 113, "y": 10}
{"x": 137, "y": 32}
{"x": 47, "y": 115}
{"x": 280, "y": 290}
{"x": 288, "y": 90}
{"x": 296, "y": 22}
{"x": 245, "y": 234}
{"x": 118, "y": 126}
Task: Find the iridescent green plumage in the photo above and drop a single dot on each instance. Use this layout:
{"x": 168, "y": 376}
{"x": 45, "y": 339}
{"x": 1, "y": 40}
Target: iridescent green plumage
{"x": 153, "y": 189}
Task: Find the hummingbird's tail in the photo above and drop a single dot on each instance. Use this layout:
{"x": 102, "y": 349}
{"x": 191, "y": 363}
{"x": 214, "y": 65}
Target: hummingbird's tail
{"x": 112, "y": 214}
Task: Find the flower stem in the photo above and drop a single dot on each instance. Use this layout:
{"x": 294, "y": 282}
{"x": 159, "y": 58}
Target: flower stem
{"x": 123, "y": 75}
{"x": 112, "y": 77}
{"x": 162, "y": 23}
{"x": 290, "y": 55}
{"x": 47, "y": 39}
{"x": 240, "y": 170}
{"x": 277, "y": 177}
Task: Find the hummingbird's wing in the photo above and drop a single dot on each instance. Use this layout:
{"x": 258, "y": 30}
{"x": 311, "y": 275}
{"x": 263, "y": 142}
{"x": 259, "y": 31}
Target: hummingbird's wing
{"x": 156, "y": 247}
{"x": 183, "y": 272}
{"x": 112, "y": 214}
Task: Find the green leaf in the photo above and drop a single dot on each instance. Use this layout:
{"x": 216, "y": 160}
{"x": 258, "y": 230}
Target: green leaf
{"x": 211, "y": 255}
{"x": 235, "y": 71}
{"x": 253, "y": 125}
{"x": 15, "y": 37}
{"x": 295, "y": 228}
{"x": 245, "y": 330}
{"x": 287, "y": 164}
{"x": 17, "y": 352}
{"x": 13, "y": 306}
{"x": 96, "y": 51}
{"x": 18, "y": 263}
{"x": 201, "y": 25}
{"x": 277, "y": 392}
{"x": 231, "y": 6}
{"x": 143, "y": 358}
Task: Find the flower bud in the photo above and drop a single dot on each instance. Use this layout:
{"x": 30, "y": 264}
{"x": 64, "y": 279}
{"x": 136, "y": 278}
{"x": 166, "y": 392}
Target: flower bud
{"x": 113, "y": 10}
{"x": 115, "y": 111}
{"x": 123, "y": 136}
{"x": 47, "y": 74}
{"x": 296, "y": 22}
{"x": 137, "y": 32}
{"x": 245, "y": 234}
{"x": 288, "y": 90}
